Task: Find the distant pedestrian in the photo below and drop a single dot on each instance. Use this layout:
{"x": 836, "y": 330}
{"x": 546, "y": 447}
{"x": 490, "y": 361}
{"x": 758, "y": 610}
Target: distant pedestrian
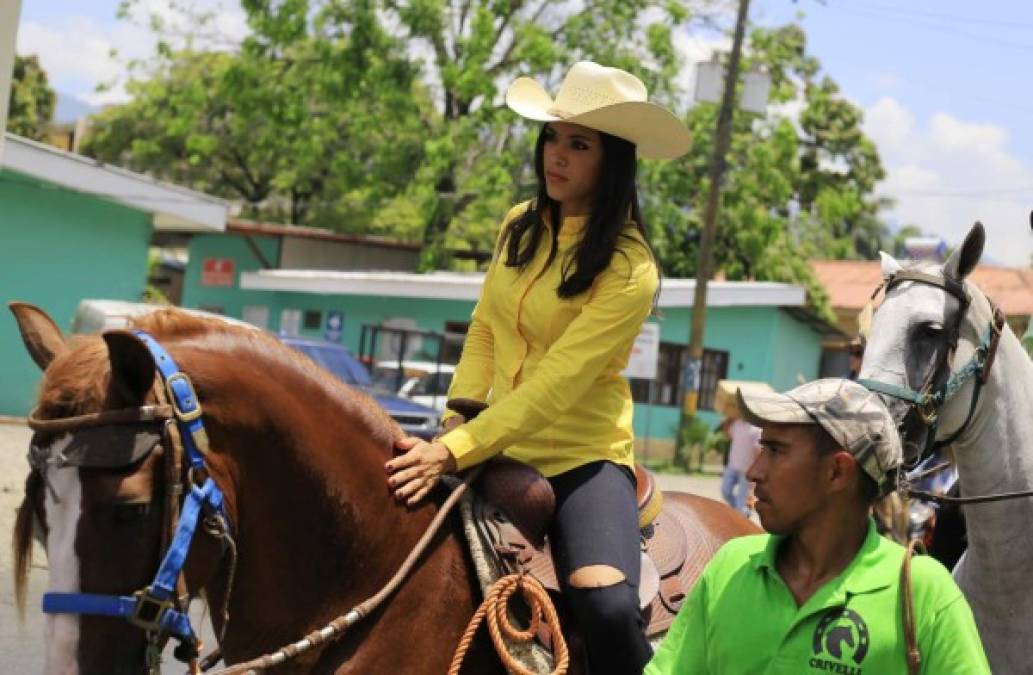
{"x": 743, "y": 446}
{"x": 855, "y": 351}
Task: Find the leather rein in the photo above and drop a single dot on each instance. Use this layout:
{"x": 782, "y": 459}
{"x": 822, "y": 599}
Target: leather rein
{"x": 120, "y": 438}
{"x": 928, "y": 401}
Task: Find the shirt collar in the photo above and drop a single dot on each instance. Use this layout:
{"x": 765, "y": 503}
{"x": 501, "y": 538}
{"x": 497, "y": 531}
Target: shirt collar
{"x": 865, "y": 573}
{"x": 572, "y": 225}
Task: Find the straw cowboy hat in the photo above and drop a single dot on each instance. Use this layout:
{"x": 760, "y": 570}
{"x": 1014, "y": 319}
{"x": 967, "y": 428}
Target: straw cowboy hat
{"x": 605, "y": 99}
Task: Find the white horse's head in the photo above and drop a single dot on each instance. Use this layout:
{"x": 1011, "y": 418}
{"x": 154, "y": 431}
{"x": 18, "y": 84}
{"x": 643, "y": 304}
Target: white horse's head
{"x": 922, "y": 332}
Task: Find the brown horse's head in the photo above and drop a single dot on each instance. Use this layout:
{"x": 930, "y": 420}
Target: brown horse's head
{"x": 314, "y": 452}
{"x": 101, "y": 513}
{"x": 100, "y": 521}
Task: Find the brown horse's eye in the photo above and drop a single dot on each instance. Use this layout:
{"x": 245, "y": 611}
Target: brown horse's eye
{"x": 124, "y": 513}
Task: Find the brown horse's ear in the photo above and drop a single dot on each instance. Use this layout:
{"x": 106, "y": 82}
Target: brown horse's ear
{"x": 966, "y": 256}
{"x": 132, "y": 366}
{"x": 40, "y": 334}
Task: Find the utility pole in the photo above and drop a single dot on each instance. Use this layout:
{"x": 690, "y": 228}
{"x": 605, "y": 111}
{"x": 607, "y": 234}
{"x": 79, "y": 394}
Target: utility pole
{"x": 9, "y": 12}
{"x": 704, "y": 268}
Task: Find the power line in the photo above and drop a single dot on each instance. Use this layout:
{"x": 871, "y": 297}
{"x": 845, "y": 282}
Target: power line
{"x": 986, "y": 40}
{"x": 937, "y": 87}
{"x": 936, "y": 16}
{"x": 946, "y": 194}
{"x": 1027, "y": 190}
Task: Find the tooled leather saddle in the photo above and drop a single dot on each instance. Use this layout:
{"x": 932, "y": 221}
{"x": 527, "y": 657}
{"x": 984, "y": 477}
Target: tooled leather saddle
{"x": 512, "y": 512}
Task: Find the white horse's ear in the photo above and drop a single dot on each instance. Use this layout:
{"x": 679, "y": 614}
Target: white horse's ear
{"x": 890, "y": 266}
{"x": 966, "y": 256}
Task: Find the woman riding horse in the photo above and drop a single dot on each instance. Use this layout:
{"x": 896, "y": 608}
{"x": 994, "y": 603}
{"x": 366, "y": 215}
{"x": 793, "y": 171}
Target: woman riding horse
{"x": 572, "y": 281}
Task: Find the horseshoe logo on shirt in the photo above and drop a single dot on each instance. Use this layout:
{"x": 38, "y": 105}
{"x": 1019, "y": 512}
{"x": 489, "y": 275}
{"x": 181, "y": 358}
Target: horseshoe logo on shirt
{"x": 841, "y": 633}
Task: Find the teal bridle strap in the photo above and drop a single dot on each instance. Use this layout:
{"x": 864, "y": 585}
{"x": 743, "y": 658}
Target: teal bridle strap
{"x": 903, "y": 393}
{"x": 952, "y": 386}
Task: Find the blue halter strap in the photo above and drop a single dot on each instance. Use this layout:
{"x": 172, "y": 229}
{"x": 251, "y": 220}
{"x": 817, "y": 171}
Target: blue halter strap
{"x": 153, "y": 608}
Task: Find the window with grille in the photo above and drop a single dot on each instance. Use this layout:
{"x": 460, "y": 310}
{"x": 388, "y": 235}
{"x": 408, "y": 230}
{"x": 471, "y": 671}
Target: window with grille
{"x": 313, "y": 319}
{"x": 666, "y": 389}
{"x": 715, "y": 367}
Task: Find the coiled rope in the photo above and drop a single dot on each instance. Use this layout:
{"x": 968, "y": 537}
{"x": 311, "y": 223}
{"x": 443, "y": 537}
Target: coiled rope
{"x": 495, "y": 607}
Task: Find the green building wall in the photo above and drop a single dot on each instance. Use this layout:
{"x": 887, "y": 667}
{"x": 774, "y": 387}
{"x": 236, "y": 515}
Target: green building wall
{"x": 59, "y": 247}
{"x": 358, "y": 310}
{"x": 763, "y": 343}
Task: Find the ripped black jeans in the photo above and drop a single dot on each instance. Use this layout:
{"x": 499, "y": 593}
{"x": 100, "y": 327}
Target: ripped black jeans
{"x": 596, "y": 523}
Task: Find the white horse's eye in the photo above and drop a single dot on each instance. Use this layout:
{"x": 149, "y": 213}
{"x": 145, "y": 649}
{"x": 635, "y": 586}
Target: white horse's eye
{"x": 930, "y": 329}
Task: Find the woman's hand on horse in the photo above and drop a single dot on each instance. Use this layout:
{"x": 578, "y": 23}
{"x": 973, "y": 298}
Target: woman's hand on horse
{"x": 414, "y": 474}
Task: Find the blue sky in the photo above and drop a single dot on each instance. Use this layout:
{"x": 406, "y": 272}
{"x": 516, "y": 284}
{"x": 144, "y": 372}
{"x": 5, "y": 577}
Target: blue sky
{"x": 945, "y": 86}
{"x": 946, "y": 90}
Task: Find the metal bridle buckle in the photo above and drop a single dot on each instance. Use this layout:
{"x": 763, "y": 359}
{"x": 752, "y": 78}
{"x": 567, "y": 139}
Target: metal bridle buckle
{"x": 149, "y": 611}
{"x": 183, "y": 416}
{"x": 928, "y": 411}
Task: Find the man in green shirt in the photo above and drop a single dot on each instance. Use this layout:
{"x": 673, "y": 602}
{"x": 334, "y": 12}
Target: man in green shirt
{"x": 821, "y": 593}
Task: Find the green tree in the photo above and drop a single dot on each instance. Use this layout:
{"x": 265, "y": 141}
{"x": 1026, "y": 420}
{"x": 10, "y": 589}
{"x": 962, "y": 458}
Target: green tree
{"x": 315, "y": 119}
{"x": 798, "y": 186}
{"x": 385, "y": 116}
{"x": 32, "y": 99}
{"x": 476, "y": 153}
{"x": 386, "y": 113}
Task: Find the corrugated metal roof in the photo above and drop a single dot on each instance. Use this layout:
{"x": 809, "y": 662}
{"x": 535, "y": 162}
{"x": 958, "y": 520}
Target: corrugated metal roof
{"x": 174, "y": 208}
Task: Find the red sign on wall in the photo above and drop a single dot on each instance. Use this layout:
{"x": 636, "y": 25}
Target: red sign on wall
{"x": 217, "y": 271}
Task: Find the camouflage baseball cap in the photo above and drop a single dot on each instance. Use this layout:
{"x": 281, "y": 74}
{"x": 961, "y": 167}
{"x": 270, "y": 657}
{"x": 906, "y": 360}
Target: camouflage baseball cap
{"x": 854, "y": 416}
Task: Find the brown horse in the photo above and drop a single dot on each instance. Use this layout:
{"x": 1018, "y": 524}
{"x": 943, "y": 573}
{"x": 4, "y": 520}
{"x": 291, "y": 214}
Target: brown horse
{"x": 299, "y": 457}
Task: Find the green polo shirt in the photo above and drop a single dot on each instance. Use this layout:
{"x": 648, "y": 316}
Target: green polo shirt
{"x": 741, "y": 619}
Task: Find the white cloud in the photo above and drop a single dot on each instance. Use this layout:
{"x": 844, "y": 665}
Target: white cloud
{"x": 889, "y": 122}
{"x": 947, "y": 173}
{"x": 76, "y": 50}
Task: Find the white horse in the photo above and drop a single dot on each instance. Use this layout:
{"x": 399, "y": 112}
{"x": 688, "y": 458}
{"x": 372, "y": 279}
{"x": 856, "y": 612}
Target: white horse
{"x": 910, "y": 348}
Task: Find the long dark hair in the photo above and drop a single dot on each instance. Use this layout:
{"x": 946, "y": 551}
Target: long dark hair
{"x": 616, "y": 197}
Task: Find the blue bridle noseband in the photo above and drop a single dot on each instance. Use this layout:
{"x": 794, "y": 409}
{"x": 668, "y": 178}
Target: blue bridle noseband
{"x": 155, "y": 608}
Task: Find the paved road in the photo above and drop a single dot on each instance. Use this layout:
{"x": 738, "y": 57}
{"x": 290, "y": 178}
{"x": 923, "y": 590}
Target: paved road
{"x": 21, "y": 639}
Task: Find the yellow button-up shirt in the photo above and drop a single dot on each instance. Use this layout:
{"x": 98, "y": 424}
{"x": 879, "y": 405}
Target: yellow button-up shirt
{"x": 549, "y": 367}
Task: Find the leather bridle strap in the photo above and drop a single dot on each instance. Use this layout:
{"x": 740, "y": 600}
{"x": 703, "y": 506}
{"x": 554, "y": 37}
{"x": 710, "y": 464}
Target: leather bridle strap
{"x": 144, "y": 413}
{"x": 981, "y": 499}
{"x": 948, "y": 284}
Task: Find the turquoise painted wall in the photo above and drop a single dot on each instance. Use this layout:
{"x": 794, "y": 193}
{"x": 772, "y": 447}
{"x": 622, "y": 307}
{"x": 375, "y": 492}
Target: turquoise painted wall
{"x": 764, "y": 343}
{"x": 59, "y": 247}
{"x": 798, "y": 347}
{"x": 229, "y": 300}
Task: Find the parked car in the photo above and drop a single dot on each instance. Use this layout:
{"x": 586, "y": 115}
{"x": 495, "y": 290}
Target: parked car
{"x": 414, "y": 418}
{"x": 92, "y": 316}
{"x": 425, "y": 382}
